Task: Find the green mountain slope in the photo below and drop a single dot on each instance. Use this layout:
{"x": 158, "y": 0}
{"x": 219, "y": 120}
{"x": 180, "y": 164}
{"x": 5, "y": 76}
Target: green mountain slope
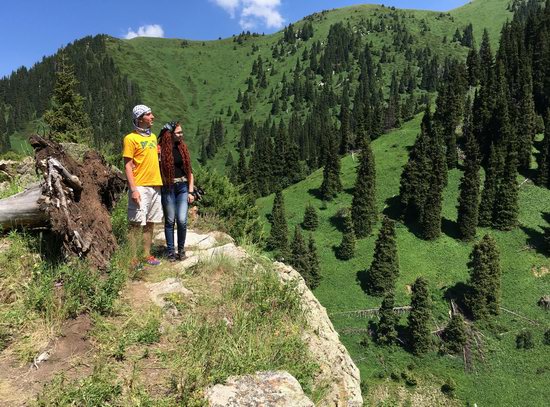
{"x": 198, "y": 81}
{"x": 502, "y": 374}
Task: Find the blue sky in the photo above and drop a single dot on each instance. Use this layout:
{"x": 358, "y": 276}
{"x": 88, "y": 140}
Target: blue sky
{"x": 35, "y": 28}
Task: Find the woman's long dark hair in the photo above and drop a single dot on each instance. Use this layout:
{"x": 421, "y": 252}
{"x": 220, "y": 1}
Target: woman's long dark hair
{"x": 166, "y": 143}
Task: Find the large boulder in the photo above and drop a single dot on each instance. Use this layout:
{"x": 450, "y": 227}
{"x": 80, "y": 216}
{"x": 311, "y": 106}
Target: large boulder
{"x": 267, "y": 389}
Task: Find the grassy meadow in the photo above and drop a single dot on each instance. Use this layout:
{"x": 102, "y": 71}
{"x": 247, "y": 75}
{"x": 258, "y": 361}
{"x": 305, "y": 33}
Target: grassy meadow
{"x": 502, "y": 375}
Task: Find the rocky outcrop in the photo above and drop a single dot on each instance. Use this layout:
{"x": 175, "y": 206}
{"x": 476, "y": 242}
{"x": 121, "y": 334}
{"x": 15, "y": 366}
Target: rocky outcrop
{"x": 273, "y": 389}
{"x": 337, "y": 367}
{"x": 338, "y": 371}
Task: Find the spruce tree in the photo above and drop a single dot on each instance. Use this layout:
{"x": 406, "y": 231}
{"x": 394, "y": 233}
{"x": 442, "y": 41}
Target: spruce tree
{"x": 314, "y": 274}
{"x": 413, "y": 188}
{"x": 363, "y": 206}
{"x": 278, "y": 237}
{"x": 299, "y": 254}
{"x": 4, "y": 137}
{"x": 485, "y": 275}
{"x": 543, "y": 159}
{"x": 386, "y": 329}
{"x": 506, "y": 208}
{"x": 419, "y": 318}
{"x": 454, "y": 334}
{"x": 67, "y": 118}
{"x": 346, "y": 250}
{"x": 345, "y": 131}
{"x": 311, "y": 220}
{"x": 331, "y": 184}
{"x": 487, "y": 204}
{"x": 384, "y": 268}
{"x": 468, "y": 200}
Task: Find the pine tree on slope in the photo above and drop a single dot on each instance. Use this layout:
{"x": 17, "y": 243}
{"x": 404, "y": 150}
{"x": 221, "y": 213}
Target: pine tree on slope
{"x": 485, "y": 276}
{"x": 363, "y": 206}
{"x": 419, "y": 318}
{"x": 384, "y": 268}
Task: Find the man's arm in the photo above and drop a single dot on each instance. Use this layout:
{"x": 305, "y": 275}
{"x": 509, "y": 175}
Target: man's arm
{"x": 129, "y": 170}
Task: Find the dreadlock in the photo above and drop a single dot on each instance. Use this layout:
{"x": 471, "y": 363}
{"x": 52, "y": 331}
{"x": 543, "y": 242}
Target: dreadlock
{"x": 166, "y": 143}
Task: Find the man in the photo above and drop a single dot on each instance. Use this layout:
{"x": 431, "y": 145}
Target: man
{"x": 144, "y": 181}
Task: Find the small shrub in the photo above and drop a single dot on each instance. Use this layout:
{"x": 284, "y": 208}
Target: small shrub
{"x": 410, "y": 379}
{"x": 449, "y": 387}
{"x": 395, "y": 376}
{"x": 524, "y": 340}
{"x": 546, "y": 339}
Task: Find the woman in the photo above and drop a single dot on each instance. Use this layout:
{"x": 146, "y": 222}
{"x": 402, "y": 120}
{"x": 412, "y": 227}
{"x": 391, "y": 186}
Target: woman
{"x": 177, "y": 189}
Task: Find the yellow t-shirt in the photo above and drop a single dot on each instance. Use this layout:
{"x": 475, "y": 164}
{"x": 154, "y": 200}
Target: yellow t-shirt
{"x": 143, "y": 151}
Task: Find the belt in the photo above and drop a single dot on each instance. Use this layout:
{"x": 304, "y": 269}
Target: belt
{"x": 180, "y": 179}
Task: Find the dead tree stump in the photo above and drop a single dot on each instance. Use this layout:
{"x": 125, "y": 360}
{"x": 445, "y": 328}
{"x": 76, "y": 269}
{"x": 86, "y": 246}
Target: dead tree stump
{"x": 74, "y": 200}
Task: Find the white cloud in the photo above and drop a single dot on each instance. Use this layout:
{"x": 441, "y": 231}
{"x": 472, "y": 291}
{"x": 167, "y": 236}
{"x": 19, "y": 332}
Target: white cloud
{"x": 254, "y": 12}
{"x": 152, "y": 30}
{"x": 228, "y": 5}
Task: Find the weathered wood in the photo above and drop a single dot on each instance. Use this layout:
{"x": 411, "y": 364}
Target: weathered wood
{"x": 23, "y": 210}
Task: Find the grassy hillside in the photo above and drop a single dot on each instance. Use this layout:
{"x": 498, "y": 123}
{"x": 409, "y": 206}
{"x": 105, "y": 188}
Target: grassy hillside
{"x": 506, "y": 376}
{"x": 198, "y": 81}
{"x": 484, "y": 14}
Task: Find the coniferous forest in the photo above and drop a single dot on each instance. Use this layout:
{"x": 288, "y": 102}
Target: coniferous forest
{"x": 399, "y": 160}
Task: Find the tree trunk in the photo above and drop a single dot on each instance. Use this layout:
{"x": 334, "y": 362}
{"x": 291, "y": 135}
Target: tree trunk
{"x": 23, "y": 210}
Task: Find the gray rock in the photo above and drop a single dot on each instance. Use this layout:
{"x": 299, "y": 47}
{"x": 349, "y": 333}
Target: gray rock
{"x": 265, "y": 389}
{"x": 157, "y": 291}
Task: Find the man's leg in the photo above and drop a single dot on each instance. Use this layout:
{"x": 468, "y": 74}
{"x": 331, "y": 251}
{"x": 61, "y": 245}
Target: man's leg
{"x": 135, "y": 240}
{"x": 147, "y": 238}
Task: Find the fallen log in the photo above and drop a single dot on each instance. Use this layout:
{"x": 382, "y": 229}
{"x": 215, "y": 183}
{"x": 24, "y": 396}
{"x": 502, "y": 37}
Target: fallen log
{"x": 73, "y": 200}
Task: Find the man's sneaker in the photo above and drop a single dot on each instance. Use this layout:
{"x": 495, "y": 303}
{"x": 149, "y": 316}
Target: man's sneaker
{"x": 152, "y": 261}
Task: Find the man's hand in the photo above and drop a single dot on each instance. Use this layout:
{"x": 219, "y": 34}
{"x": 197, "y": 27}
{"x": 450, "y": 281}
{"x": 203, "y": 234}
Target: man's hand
{"x": 136, "y": 197}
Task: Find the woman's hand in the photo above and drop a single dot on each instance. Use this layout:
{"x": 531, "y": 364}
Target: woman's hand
{"x": 190, "y": 198}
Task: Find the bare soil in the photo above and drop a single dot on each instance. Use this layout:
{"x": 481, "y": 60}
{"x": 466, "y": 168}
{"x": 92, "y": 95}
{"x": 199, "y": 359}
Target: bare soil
{"x": 69, "y": 354}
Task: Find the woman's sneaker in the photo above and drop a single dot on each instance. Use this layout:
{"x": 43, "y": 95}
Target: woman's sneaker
{"x": 152, "y": 261}
{"x": 171, "y": 257}
{"x": 181, "y": 256}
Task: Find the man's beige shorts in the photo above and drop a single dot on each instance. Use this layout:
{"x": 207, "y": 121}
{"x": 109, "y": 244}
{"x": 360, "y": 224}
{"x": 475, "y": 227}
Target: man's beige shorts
{"x": 150, "y": 210}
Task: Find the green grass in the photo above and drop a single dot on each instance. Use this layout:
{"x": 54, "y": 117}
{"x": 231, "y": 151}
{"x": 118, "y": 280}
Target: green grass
{"x": 443, "y": 263}
{"x": 241, "y": 320}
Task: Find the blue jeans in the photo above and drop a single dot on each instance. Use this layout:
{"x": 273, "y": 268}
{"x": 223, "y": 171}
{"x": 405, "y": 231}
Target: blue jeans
{"x": 174, "y": 206}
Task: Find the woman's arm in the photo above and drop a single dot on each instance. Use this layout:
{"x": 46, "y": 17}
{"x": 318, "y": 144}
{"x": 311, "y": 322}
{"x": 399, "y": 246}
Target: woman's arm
{"x": 190, "y": 196}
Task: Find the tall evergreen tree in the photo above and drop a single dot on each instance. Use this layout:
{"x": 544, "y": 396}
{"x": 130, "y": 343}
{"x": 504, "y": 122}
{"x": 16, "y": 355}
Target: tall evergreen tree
{"x": 384, "y": 268}
{"x": 278, "y": 237}
{"x": 363, "y": 206}
{"x": 346, "y": 250}
{"x": 313, "y": 264}
{"x": 311, "y": 220}
{"x": 331, "y": 184}
{"x": 485, "y": 276}
{"x": 506, "y": 208}
{"x": 543, "y": 159}
{"x": 299, "y": 254}
{"x": 4, "y": 137}
{"x": 67, "y": 118}
{"x": 345, "y": 130}
{"x": 386, "y": 329}
{"x": 454, "y": 334}
{"x": 490, "y": 186}
{"x": 420, "y": 317}
{"x": 468, "y": 200}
